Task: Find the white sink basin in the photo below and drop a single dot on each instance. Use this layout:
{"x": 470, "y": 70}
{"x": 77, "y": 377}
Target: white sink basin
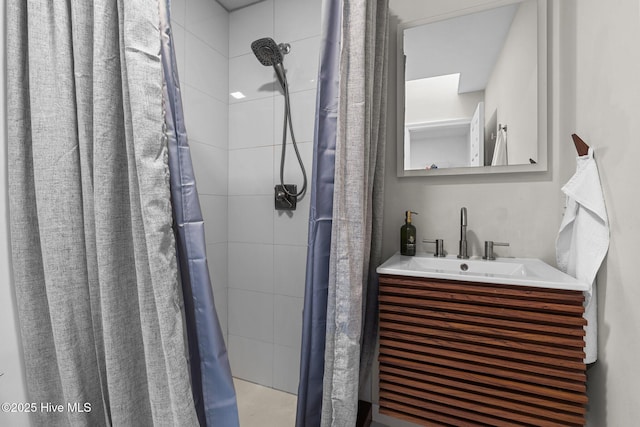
{"x": 508, "y": 271}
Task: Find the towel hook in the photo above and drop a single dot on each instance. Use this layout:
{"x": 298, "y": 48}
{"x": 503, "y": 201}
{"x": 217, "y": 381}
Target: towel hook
{"x": 581, "y": 147}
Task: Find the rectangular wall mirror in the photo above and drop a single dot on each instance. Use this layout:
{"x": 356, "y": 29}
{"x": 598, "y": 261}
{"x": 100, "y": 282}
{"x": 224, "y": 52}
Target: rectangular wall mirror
{"x": 472, "y": 87}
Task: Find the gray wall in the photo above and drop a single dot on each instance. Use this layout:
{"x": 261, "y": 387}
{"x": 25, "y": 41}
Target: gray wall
{"x": 604, "y": 58}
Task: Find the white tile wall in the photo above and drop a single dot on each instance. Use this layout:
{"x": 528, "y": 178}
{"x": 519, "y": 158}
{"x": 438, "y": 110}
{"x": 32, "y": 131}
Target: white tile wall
{"x": 251, "y": 267}
{"x": 289, "y": 265}
{"x": 214, "y": 212}
{"x": 251, "y": 124}
{"x": 251, "y": 359}
{"x": 291, "y": 228}
{"x": 303, "y": 114}
{"x": 211, "y": 168}
{"x": 206, "y": 118}
{"x": 251, "y": 314}
{"x": 206, "y": 69}
{"x": 220, "y": 300}
{"x": 251, "y": 219}
{"x": 297, "y": 19}
{"x": 287, "y": 320}
{"x": 178, "y": 11}
{"x": 251, "y": 171}
{"x": 301, "y": 64}
{"x": 249, "y": 24}
{"x": 292, "y": 173}
{"x": 179, "y": 35}
{"x": 250, "y": 77}
{"x": 217, "y": 260}
{"x": 267, "y": 248}
{"x": 286, "y": 368}
{"x": 208, "y": 21}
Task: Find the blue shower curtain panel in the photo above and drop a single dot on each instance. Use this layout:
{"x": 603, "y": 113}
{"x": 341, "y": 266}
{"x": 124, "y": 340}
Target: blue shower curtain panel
{"x": 212, "y": 383}
{"x": 309, "y": 409}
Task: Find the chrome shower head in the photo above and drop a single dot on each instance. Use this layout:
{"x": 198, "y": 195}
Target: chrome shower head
{"x": 268, "y": 52}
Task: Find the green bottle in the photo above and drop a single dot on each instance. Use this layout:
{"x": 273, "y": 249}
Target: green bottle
{"x": 408, "y": 236}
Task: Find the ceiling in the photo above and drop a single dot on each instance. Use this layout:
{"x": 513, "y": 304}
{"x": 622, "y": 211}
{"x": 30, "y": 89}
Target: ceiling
{"x": 232, "y": 5}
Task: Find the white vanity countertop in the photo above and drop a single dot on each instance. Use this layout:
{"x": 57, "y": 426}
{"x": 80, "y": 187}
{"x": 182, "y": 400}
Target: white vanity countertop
{"x": 506, "y": 271}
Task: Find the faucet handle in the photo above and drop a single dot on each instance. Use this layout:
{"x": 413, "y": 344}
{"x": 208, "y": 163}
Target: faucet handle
{"x": 488, "y": 249}
{"x": 439, "y": 247}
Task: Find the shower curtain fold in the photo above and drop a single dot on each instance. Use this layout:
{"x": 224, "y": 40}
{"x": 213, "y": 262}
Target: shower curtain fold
{"x": 378, "y": 36}
{"x": 341, "y": 287}
{"x": 212, "y": 383}
{"x": 357, "y": 208}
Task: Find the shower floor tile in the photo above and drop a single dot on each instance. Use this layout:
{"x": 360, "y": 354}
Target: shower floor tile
{"x": 264, "y": 407}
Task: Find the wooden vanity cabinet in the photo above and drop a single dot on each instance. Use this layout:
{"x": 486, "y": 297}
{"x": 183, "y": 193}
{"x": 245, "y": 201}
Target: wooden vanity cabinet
{"x": 477, "y": 354}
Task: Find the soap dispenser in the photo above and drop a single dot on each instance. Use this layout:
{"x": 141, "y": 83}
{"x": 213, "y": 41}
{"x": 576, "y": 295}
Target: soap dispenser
{"x": 408, "y": 236}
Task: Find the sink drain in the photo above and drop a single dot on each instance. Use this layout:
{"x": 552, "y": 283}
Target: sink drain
{"x": 464, "y": 267}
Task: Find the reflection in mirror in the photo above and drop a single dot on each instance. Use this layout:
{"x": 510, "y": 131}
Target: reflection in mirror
{"x": 472, "y": 90}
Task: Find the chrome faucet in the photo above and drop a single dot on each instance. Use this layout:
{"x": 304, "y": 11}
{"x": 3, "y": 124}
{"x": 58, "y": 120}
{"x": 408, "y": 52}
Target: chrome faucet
{"x": 488, "y": 249}
{"x": 462, "y": 252}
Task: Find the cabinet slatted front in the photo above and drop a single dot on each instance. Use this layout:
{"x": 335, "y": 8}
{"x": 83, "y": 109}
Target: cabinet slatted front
{"x": 478, "y": 354}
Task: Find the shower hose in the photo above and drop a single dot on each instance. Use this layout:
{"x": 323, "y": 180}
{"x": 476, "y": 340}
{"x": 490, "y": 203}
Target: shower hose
{"x": 282, "y": 78}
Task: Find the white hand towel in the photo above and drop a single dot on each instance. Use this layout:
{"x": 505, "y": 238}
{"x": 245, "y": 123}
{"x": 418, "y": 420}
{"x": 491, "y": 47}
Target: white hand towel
{"x": 500, "y": 150}
{"x": 583, "y": 239}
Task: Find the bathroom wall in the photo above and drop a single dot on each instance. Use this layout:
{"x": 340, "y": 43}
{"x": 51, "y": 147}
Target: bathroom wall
{"x": 201, "y": 34}
{"x": 12, "y": 387}
{"x": 267, "y": 248}
{"x": 603, "y": 54}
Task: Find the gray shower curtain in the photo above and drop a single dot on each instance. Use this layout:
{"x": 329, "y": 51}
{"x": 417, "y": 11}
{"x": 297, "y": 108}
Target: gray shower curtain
{"x": 357, "y": 208}
{"x": 341, "y": 291}
{"x": 93, "y": 250}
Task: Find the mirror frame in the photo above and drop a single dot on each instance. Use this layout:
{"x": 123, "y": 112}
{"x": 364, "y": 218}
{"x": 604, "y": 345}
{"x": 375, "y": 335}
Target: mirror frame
{"x": 543, "y": 107}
